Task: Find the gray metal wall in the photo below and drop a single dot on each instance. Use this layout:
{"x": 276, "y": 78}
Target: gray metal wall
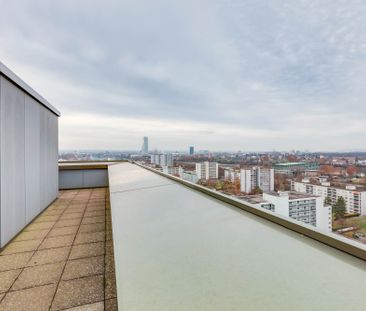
{"x": 83, "y": 178}
{"x": 28, "y": 158}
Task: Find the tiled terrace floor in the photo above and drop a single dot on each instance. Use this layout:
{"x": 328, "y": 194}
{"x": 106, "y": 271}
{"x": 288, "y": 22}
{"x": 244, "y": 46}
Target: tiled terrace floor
{"x": 64, "y": 259}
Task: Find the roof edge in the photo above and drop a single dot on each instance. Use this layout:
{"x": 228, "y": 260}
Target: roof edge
{"x": 24, "y": 86}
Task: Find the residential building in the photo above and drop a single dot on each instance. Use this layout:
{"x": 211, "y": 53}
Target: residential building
{"x": 290, "y": 168}
{"x": 172, "y": 170}
{"x": 207, "y": 170}
{"x": 145, "y": 145}
{"x": 306, "y": 208}
{"x": 189, "y": 176}
{"x": 231, "y": 174}
{"x": 256, "y": 177}
{"x": 355, "y": 199}
{"x": 162, "y": 159}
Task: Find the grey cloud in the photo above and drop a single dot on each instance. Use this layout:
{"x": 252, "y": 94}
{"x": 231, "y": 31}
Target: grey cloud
{"x": 253, "y": 64}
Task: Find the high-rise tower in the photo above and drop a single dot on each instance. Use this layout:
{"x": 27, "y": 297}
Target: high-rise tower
{"x": 145, "y": 145}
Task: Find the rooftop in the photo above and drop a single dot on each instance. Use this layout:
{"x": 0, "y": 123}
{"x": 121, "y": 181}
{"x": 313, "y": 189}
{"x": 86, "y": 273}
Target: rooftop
{"x": 179, "y": 246}
{"x": 63, "y": 259}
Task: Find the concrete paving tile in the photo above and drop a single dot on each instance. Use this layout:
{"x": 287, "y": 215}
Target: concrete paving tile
{"x": 59, "y": 241}
{"x": 95, "y": 208}
{"x": 31, "y": 299}
{"x": 39, "y": 275}
{"x": 111, "y": 305}
{"x": 83, "y": 267}
{"x": 40, "y": 226}
{"x": 46, "y": 256}
{"x": 110, "y": 286}
{"x": 68, "y": 223}
{"x": 94, "y": 213}
{"x": 87, "y": 250}
{"x": 50, "y": 212}
{"x": 21, "y": 247}
{"x": 72, "y": 210}
{"x": 71, "y": 216}
{"x": 47, "y": 218}
{"x": 7, "y": 278}
{"x": 79, "y": 292}
{"x": 98, "y": 306}
{"x": 93, "y": 220}
{"x": 89, "y": 237}
{"x": 92, "y": 227}
{"x": 31, "y": 235}
{"x": 14, "y": 261}
{"x": 63, "y": 231}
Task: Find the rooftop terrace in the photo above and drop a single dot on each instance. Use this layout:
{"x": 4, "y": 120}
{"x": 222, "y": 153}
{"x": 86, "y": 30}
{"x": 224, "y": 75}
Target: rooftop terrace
{"x": 64, "y": 259}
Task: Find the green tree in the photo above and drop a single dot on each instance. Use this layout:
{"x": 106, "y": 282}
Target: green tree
{"x": 339, "y": 208}
{"x": 328, "y": 201}
{"x": 257, "y": 190}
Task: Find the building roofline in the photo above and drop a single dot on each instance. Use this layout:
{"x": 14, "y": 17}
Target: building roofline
{"x": 10, "y": 75}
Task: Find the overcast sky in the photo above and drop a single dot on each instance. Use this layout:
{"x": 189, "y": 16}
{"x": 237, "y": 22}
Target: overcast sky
{"x": 216, "y": 74}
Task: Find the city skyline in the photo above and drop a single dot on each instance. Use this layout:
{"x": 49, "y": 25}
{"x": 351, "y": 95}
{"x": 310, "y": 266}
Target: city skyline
{"x": 241, "y": 76}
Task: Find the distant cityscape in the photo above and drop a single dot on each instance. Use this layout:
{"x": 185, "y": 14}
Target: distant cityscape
{"x": 325, "y": 190}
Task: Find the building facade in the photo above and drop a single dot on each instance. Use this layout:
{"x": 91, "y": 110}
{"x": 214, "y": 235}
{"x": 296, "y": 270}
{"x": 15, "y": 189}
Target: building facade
{"x": 165, "y": 159}
{"x": 207, "y": 170}
{"x": 290, "y": 168}
{"x": 28, "y": 154}
{"x": 256, "y": 177}
{"x": 355, "y": 200}
{"x": 308, "y": 209}
{"x": 145, "y": 145}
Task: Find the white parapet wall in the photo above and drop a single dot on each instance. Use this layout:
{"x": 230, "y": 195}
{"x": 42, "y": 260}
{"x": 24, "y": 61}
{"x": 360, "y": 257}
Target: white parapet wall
{"x": 28, "y": 154}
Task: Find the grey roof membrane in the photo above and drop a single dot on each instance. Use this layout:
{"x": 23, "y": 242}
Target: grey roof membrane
{"x": 178, "y": 249}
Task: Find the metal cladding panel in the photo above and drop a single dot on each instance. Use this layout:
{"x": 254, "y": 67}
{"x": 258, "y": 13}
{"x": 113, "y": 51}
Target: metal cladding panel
{"x": 28, "y": 158}
{"x": 84, "y": 178}
{"x": 95, "y": 178}
{"x": 32, "y": 158}
{"x": 71, "y": 179}
{"x": 12, "y": 161}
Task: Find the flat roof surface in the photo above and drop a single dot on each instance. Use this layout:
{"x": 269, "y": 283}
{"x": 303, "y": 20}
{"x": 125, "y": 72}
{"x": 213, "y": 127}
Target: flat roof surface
{"x": 179, "y": 249}
{"x": 23, "y": 85}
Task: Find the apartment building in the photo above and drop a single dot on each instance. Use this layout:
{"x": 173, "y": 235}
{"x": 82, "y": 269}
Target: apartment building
{"x": 165, "y": 159}
{"x": 207, "y": 170}
{"x": 172, "y": 170}
{"x": 231, "y": 174}
{"x": 256, "y": 177}
{"x": 302, "y": 207}
{"x": 292, "y": 167}
{"x": 355, "y": 199}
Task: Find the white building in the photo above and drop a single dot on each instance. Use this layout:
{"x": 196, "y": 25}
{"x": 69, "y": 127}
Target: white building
{"x": 256, "y": 177}
{"x": 162, "y": 159}
{"x": 189, "y": 176}
{"x": 355, "y": 199}
{"x": 231, "y": 174}
{"x": 207, "y": 170}
{"x": 172, "y": 170}
{"x": 308, "y": 209}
